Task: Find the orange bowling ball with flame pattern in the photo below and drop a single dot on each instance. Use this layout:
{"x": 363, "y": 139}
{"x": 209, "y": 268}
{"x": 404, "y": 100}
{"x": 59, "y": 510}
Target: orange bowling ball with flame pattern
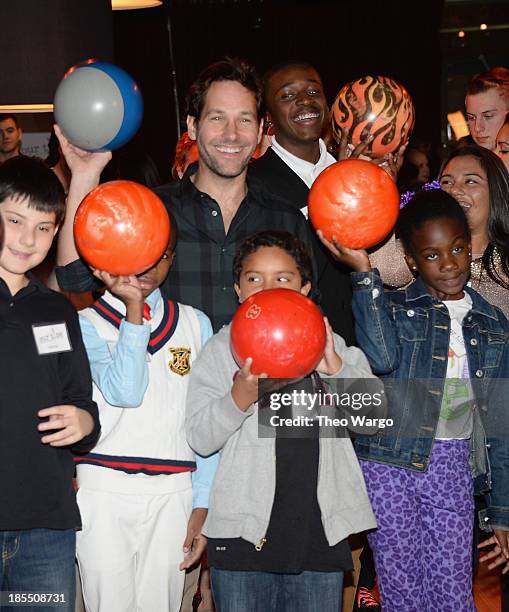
{"x": 375, "y": 105}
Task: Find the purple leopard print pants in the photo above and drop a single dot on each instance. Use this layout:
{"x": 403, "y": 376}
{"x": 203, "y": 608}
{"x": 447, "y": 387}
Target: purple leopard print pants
{"x": 423, "y": 544}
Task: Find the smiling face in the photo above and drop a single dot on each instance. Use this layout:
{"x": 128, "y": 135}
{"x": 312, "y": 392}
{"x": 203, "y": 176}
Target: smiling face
{"x": 296, "y": 106}
{"x": 441, "y": 254}
{"x": 228, "y": 129}
{"x": 465, "y": 179}
{"x": 28, "y": 234}
{"x": 269, "y": 268}
{"x": 486, "y": 112}
{"x": 502, "y": 149}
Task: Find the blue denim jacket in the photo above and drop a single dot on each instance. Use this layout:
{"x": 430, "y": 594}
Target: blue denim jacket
{"x": 405, "y": 335}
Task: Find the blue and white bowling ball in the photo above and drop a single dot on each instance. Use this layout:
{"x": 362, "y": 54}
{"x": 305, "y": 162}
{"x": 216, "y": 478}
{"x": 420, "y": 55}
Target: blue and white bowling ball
{"x": 98, "y": 106}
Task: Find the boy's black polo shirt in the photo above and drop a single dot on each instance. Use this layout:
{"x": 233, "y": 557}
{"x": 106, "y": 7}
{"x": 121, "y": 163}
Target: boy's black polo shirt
{"x": 35, "y": 478}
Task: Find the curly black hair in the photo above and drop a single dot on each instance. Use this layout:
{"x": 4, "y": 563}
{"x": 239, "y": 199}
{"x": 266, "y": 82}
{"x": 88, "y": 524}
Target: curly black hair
{"x": 275, "y": 238}
{"x": 428, "y": 205}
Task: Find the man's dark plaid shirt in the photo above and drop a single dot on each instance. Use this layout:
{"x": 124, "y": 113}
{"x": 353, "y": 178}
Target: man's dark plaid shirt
{"x": 201, "y": 274}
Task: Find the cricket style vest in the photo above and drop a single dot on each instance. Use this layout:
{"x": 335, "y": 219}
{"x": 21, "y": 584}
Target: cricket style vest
{"x": 144, "y": 449}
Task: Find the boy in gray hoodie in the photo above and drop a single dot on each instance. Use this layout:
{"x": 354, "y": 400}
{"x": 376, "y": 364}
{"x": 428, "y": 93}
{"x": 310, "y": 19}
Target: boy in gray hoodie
{"x": 281, "y": 508}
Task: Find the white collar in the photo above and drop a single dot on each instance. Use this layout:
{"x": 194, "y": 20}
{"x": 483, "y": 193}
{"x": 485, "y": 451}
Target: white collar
{"x": 304, "y": 169}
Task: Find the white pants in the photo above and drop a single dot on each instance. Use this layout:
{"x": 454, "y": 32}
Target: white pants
{"x": 130, "y": 548}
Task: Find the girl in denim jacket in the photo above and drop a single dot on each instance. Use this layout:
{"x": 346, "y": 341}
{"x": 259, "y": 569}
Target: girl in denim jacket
{"x": 441, "y": 348}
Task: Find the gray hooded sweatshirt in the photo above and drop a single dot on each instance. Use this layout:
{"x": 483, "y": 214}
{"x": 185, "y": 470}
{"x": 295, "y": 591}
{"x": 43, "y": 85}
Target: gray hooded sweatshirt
{"x": 242, "y": 495}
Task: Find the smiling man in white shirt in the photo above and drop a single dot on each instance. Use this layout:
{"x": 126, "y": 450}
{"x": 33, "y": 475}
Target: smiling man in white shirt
{"x": 296, "y": 110}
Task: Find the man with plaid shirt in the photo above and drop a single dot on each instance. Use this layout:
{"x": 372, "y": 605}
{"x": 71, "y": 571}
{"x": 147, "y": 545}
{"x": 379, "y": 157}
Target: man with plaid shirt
{"x": 215, "y": 209}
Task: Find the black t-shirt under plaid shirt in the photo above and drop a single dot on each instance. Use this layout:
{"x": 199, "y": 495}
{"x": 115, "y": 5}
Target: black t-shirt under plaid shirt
{"x": 201, "y": 274}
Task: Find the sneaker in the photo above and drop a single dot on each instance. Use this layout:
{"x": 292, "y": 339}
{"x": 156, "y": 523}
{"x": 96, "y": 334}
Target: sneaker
{"x": 367, "y": 601}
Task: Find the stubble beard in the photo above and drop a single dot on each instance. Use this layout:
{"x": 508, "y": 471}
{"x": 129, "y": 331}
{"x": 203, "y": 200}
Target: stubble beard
{"x": 217, "y": 168}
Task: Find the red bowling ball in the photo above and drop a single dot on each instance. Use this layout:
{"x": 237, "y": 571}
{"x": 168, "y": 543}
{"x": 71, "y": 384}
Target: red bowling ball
{"x": 121, "y": 227}
{"x": 282, "y": 330}
{"x": 355, "y": 201}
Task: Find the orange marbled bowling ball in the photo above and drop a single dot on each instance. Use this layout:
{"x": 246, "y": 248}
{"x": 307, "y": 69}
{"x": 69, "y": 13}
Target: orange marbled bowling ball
{"x": 355, "y": 201}
{"x": 121, "y": 227}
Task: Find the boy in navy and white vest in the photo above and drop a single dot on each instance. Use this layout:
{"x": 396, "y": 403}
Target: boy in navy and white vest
{"x": 135, "y": 491}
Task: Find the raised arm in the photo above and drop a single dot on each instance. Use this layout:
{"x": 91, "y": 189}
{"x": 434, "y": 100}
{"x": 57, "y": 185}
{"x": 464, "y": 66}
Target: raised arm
{"x": 375, "y": 329}
{"x": 122, "y": 374}
{"x": 86, "y": 171}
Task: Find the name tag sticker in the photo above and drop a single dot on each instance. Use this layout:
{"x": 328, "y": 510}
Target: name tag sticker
{"x": 51, "y": 338}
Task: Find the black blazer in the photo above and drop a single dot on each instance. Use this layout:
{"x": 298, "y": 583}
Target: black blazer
{"x": 270, "y": 173}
